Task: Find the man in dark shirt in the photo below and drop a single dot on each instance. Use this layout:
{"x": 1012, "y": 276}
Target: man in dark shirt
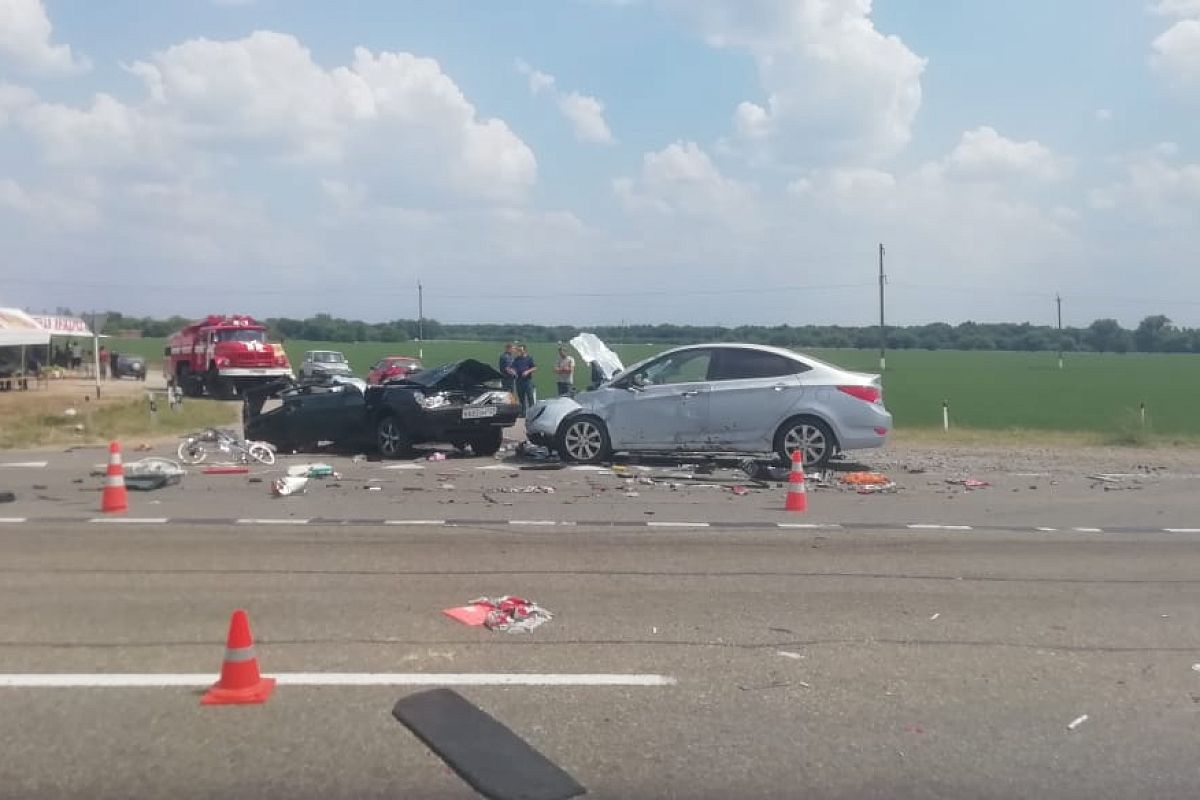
{"x": 524, "y": 367}
{"x": 505, "y": 366}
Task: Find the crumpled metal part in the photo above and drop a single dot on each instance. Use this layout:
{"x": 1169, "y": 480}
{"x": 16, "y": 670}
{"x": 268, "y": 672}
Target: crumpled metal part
{"x": 512, "y": 614}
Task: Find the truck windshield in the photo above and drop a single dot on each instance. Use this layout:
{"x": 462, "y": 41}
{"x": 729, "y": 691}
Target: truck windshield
{"x": 241, "y": 335}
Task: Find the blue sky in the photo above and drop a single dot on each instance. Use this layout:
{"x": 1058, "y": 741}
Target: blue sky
{"x": 599, "y": 161}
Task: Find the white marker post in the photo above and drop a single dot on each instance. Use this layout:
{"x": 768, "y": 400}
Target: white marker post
{"x": 946, "y": 416}
{"x": 1143, "y": 410}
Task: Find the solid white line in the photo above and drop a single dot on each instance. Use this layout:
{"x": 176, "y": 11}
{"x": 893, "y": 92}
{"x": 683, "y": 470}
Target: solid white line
{"x": 131, "y": 520}
{"x": 252, "y": 521}
{"x": 1087, "y": 530}
{"x": 498, "y": 467}
{"x": 403, "y": 466}
{"x": 153, "y": 680}
{"x": 678, "y": 524}
{"x": 925, "y": 527}
{"x": 807, "y": 525}
{"x": 27, "y": 464}
{"x": 1182, "y": 530}
{"x": 414, "y": 522}
{"x": 13, "y": 519}
{"x": 532, "y": 522}
{"x": 1046, "y": 530}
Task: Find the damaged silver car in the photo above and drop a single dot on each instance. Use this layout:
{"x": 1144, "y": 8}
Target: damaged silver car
{"x": 743, "y": 399}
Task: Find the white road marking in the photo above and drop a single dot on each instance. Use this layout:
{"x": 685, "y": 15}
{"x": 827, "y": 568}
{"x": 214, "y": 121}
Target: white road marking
{"x": 13, "y": 519}
{"x": 26, "y": 464}
{"x": 403, "y": 466}
{"x": 1046, "y": 530}
{"x": 532, "y": 522}
{"x": 131, "y": 520}
{"x": 498, "y": 467}
{"x": 925, "y": 527}
{"x": 1087, "y": 530}
{"x": 251, "y": 521}
{"x": 589, "y": 468}
{"x": 1182, "y": 530}
{"x": 808, "y": 525}
{"x": 155, "y": 680}
{"x": 414, "y": 522}
{"x": 678, "y": 524}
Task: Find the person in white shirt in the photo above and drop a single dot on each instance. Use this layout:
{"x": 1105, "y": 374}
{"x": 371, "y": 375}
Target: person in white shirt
{"x": 564, "y": 372}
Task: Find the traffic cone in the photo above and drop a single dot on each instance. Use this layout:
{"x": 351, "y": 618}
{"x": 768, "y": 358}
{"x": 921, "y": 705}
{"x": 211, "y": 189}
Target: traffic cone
{"x": 797, "y": 496}
{"x": 115, "y": 498}
{"x": 240, "y": 681}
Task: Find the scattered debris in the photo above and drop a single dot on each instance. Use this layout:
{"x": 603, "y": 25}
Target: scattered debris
{"x": 292, "y": 484}
{"x": 148, "y": 474}
{"x": 312, "y": 471}
{"x": 788, "y": 654}
{"x": 1075, "y": 723}
{"x": 7, "y": 497}
{"x": 448, "y": 486}
{"x": 526, "y": 490}
{"x": 226, "y": 470}
{"x": 739, "y": 490}
{"x": 508, "y": 613}
{"x": 866, "y": 479}
{"x": 373, "y": 488}
{"x": 969, "y": 483}
{"x": 1195, "y": 667}
{"x": 935, "y": 616}
{"x": 437, "y": 455}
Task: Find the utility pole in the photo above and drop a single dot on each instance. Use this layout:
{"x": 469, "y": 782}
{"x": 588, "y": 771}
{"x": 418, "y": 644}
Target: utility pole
{"x": 882, "y": 329}
{"x": 1058, "y": 300}
{"x": 420, "y": 321}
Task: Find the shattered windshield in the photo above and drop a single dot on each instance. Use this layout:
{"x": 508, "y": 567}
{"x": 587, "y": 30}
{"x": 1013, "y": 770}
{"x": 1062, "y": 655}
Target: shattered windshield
{"x": 241, "y": 335}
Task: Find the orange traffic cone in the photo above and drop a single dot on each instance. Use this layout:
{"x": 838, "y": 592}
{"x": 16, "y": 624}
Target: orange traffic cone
{"x": 797, "y": 496}
{"x": 115, "y": 498}
{"x": 240, "y": 681}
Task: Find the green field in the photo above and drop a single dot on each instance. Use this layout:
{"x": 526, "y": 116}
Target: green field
{"x": 986, "y": 390}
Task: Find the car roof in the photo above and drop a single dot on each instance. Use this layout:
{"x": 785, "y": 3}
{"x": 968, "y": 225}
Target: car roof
{"x": 763, "y": 348}
{"x": 401, "y": 358}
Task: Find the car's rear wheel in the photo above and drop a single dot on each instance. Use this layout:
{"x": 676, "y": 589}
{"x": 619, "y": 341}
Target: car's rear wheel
{"x": 811, "y": 437}
{"x": 392, "y": 439}
{"x": 488, "y": 444}
{"x": 583, "y": 439}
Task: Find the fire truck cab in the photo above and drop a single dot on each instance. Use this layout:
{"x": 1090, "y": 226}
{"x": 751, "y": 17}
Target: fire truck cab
{"x": 223, "y": 355}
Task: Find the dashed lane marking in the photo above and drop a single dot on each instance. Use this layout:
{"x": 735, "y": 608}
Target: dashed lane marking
{"x": 130, "y": 520}
{"x": 13, "y": 520}
{"x": 25, "y": 464}
{"x": 268, "y": 521}
{"x": 414, "y": 522}
{"x": 926, "y": 527}
{"x": 657, "y": 524}
{"x": 808, "y": 526}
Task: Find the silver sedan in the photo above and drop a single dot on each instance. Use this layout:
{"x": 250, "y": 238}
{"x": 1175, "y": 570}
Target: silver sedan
{"x": 718, "y": 398}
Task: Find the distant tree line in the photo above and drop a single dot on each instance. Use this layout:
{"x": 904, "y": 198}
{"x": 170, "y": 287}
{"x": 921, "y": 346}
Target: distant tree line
{"x": 1155, "y": 334}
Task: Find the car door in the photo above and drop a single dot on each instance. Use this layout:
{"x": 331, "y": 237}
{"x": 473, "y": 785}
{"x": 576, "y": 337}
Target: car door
{"x": 753, "y": 391}
{"x": 662, "y": 405}
{"x": 328, "y": 413}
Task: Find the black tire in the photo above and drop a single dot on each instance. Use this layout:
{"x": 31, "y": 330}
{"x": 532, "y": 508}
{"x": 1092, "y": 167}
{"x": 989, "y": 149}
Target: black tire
{"x": 391, "y": 438}
{"x": 583, "y": 439}
{"x": 489, "y": 443}
{"x": 811, "y": 436}
{"x": 188, "y": 384}
{"x": 218, "y": 387}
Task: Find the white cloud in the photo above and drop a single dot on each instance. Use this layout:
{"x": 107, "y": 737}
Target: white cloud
{"x": 586, "y": 115}
{"x": 584, "y": 112}
{"x": 25, "y": 32}
{"x": 682, "y": 179}
{"x": 14, "y": 99}
{"x": 1178, "y": 8}
{"x": 1161, "y": 191}
{"x": 984, "y": 153}
{"x": 833, "y": 82}
{"x": 1176, "y": 55}
{"x": 394, "y": 121}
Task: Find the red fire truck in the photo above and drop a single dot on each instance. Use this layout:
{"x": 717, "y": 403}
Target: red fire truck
{"x": 223, "y": 355}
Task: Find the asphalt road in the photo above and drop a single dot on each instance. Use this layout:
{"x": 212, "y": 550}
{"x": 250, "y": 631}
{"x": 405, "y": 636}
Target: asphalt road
{"x": 883, "y": 662}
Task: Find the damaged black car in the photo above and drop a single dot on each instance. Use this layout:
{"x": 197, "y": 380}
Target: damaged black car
{"x": 461, "y": 403}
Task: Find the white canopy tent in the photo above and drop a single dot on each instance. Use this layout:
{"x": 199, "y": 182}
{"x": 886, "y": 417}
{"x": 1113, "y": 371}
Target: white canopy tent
{"x": 18, "y": 329}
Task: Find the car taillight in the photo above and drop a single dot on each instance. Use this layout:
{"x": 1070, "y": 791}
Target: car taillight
{"x": 870, "y": 394}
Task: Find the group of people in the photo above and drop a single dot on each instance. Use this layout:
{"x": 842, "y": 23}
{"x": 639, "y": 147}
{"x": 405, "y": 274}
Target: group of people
{"x": 518, "y": 368}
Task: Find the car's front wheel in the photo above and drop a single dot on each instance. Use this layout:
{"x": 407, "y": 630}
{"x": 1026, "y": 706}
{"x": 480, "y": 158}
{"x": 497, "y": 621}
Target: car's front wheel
{"x": 392, "y": 439}
{"x": 809, "y": 436}
{"x": 583, "y": 439}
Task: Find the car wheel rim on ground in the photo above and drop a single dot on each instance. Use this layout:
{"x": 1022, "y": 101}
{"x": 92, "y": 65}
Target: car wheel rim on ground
{"x": 390, "y": 438}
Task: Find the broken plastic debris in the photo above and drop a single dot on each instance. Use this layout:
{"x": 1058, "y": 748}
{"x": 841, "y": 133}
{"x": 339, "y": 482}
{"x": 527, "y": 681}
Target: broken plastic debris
{"x": 788, "y": 654}
{"x": 739, "y": 490}
{"x": 526, "y": 490}
{"x": 866, "y": 479}
{"x": 1195, "y": 667}
{"x": 508, "y": 613}
{"x": 970, "y": 483}
{"x": 1075, "y": 723}
{"x": 292, "y": 484}
{"x": 935, "y": 616}
{"x": 436, "y": 456}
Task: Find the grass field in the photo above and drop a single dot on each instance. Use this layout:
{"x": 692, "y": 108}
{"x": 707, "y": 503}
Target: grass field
{"x": 1095, "y": 393}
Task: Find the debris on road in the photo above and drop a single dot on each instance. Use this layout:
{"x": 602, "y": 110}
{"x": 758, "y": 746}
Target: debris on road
{"x": 788, "y": 654}
{"x": 1075, "y": 723}
{"x": 225, "y": 470}
{"x": 148, "y": 474}
{"x": 1196, "y": 667}
{"x": 510, "y": 614}
{"x": 968, "y": 483}
{"x": 866, "y": 479}
{"x": 935, "y": 616}
{"x": 7, "y": 497}
{"x": 292, "y": 484}
{"x": 525, "y": 490}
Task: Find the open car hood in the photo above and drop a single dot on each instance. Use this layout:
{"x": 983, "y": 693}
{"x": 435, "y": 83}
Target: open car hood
{"x": 592, "y": 349}
{"x": 461, "y": 375}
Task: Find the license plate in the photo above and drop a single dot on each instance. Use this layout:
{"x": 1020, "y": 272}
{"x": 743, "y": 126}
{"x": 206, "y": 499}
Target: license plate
{"x": 479, "y": 412}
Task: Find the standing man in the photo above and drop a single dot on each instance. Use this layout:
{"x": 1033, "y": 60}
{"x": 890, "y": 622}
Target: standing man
{"x": 103, "y": 362}
{"x": 505, "y": 366}
{"x": 564, "y": 371}
{"x": 524, "y": 367}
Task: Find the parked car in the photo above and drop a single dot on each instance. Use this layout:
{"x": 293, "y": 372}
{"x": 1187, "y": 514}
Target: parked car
{"x": 393, "y": 367}
{"x": 124, "y": 366}
{"x": 460, "y": 403}
{"x": 322, "y": 363}
{"x": 718, "y": 398}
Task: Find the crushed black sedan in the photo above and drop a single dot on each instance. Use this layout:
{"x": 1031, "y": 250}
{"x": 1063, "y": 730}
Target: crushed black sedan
{"x": 460, "y": 403}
